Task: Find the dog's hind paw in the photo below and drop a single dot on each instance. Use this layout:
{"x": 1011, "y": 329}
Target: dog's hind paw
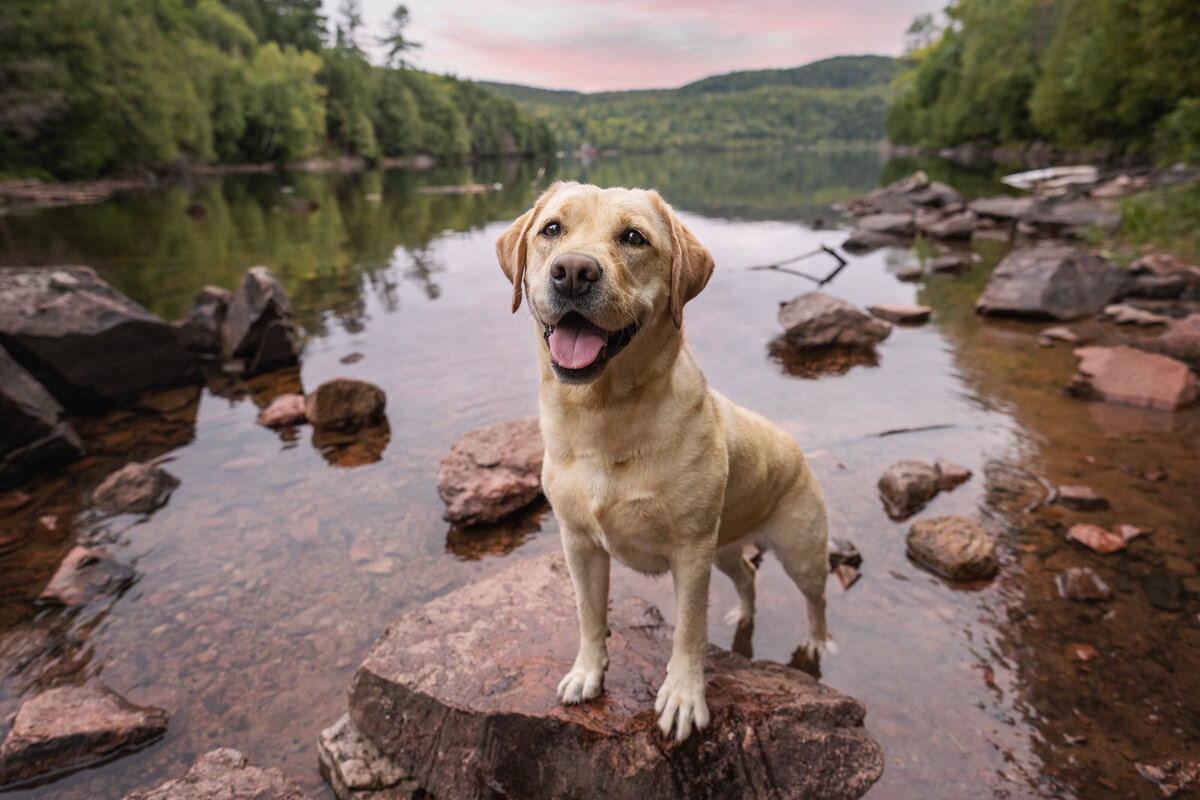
{"x": 579, "y": 685}
{"x": 680, "y": 705}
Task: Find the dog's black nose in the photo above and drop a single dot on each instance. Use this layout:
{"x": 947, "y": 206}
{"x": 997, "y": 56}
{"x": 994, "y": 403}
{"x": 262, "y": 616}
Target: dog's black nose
{"x": 573, "y": 274}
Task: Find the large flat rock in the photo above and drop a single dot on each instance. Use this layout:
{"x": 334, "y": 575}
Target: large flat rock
{"x": 225, "y": 774}
{"x": 84, "y": 340}
{"x": 461, "y": 694}
{"x": 1132, "y": 377}
{"x": 1051, "y": 282}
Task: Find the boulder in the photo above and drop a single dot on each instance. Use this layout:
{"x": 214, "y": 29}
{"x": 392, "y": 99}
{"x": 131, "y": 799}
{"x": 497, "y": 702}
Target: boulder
{"x": 345, "y": 404}
{"x": 902, "y": 315}
{"x": 1180, "y": 341}
{"x": 1158, "y": 287}
{"x": 258, "y": 327}
{"x": 954, "y": 226}
{"x": 200, "y": 330}
{"x": 950, "y": 474}
{"x": 1133, "y": 377}
{"x": 817, "y": 320}
{"x": 906, "y": 195}
{"x": 134, "y": 489}
{"x": 1082, "y": 585}
{"x": 492, "y": 472}
{"x": 84, "y": 575}
{"x": 226, "y": 774}
{"x": 1072, "y": 216}
{"x": 866, "y": 241}
{"x": 1081, "y": 498}
{"x": 72, "y": 726}
{"x": 1004, "y": 207}
{"x": 33, "y": 435}
{"x": 463, "y": 696}
{"x": 901, "y": 225}
{"x": 906, "y": 486}
{"x": 286, "y": 409}
{"x": 86, "y": 342}
{"x": 1051, "y": 281}
{"x": 356, "y": 769}
{"x": 953, "y": 547}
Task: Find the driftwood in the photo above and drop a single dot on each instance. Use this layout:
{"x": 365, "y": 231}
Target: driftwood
{"x": 781, "y": 266}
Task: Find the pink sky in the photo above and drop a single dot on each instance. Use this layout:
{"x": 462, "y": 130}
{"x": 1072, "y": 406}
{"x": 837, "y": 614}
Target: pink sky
{"x": 599, "y": 45}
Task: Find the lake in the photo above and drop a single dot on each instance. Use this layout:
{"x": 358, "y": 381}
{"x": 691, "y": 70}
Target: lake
{"x": 278, "y": 560}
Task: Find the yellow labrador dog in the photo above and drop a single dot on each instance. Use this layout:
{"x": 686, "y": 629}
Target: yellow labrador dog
{"x": 644, "y": 462}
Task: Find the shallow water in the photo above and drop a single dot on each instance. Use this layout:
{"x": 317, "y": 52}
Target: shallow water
{"x": 278, "y": 560}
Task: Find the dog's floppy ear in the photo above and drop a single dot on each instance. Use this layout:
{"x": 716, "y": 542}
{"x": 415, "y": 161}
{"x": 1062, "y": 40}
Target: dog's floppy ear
{"x": 691, "y": 263}
{"x": 511, "y": 247}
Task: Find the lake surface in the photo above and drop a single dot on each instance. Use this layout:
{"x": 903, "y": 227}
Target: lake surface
{"x": 278, "y": 561}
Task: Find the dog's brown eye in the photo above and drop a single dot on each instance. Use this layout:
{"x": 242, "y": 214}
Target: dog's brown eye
{"x": 633, "y": 237}
{"x": 552, "y": 229}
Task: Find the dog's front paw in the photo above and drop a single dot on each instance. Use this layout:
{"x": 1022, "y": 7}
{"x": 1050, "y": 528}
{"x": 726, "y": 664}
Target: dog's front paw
{"x": 680, "y": 705}
{"x": 580, "y": 684}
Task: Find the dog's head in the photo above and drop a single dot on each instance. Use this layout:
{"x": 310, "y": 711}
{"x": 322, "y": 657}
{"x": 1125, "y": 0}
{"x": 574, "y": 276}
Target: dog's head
{"x": 599, "y": 266}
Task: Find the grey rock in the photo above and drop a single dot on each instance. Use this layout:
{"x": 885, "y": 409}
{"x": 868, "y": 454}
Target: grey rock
{"x": 906, "y": 487}
{"x": 1051, "y": 281}
{"x": 356, "y": 769}
{"x": 84, "y": 575}
{"x": 225, "y": 774}
{"x": 33, "y": 435}
{"x": 1158, "y": 287}
{"x": 902, "y": 315}
{"x": 843, "y": 551}
{"x": 817, "y": 320}
{"x": 866, "y": 241}
{"x": 87, "y": 343}
{"x": 1180, "y": 341}
{"x": 345, "y": 404}
{"x": 905, "y": 196}
{"x": 890, "y": 224}
{"x": 258, "y": 327}
{"x": 1004, "y": 207}
{"x": 201, "y": 329}
{"x": 954, "y": 226}
{"x": 1073, "y": 216}
{"x": 69, "y": 727}
{"x": 134, "y": 489}
{"x": 949, "y": 264}
{"x": 953, "y": 547}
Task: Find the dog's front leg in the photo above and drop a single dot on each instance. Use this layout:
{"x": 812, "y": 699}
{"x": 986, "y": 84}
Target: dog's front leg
{"x": 680, "y": 702}
{"x": 589, "y": 565}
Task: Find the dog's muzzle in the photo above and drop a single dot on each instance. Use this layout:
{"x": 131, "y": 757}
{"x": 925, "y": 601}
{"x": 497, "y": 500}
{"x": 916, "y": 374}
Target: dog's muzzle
{"x": 579, "y": 349}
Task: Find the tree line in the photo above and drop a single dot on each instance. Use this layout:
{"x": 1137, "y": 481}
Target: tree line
{"x": 89, "y": 87}
{"x": 1117, "y": 75}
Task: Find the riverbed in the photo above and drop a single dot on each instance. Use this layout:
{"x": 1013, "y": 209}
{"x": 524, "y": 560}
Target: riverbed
{"x": 278, "y": 560}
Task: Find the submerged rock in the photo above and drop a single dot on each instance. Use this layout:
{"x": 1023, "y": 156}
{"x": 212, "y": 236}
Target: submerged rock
{"x": 33, "y": 435}
{"x": 866, "y": 241}
{"x": 345, "y": 404}
{"x": 134, "y": 489}
{"x": 84, "y": 575}
{"x": 953, "y": 547}
{"x": 226, "y": 774}
{"x": 1096, "y": 538}
{"x": 906, "y": 487}
{"x": 1132, "y": 377}
{"x": 464, "y": 697}
{"x": 902, "y": 315}
{"x": 817, "y": 320}
{"x": 1051, "y": 281}
{"x": 1081, "y": 498}
{"x": 1082, "y": 585}
{"x": 73, "y": 726}
{"x": 492, "y": 472}
{"x": 86, "y": 342}
{"x": 201, "y": 328}
{"x": 258, "y": 328}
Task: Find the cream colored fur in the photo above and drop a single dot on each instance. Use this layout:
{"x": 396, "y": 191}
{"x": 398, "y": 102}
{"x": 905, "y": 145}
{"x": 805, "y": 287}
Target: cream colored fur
{"x": 647, "y": 464}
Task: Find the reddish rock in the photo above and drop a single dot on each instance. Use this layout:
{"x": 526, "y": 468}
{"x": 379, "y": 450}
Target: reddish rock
{"x": 72, "y": 726}
{"x": 492, "y": 472}
{"x": 906, "y": 486}
{"x": 846, "y": 575}
{"x": 134, "y": 489}
{"x": 950, "y": 474}
{"x": 1051, "y": 281}
{"x": 345, "y": 404}
{"x": 1125, "y": 314}
{"x": 286, "y": 409}
{"x": 1130, "y": 532}
{"x": 84, "y": 575}
{"x": 902, "y": 315}
{"x": 225, "y": 774}
{"x": 815, "y": 319}
{"x": 1132, "y": 377}
{"x": 1081, "y": 498}
{"x": 953, "y": 547}
{"x": 1180, "y": 341}
{"x": 1095, "y": 537}
{"x": 11, "y": 501}
{"x": 461, "y": 692}
{"x": 1081, "y": 652}
{"x": 1058, "y": 334}
{"x": 1082, "y": 585}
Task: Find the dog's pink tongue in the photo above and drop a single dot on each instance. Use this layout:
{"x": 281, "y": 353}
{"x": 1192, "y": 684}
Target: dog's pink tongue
{"x": 575, "y": 343}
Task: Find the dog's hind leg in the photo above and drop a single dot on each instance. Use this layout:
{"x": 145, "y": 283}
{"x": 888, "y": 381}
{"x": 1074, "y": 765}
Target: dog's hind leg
{"x": 730, "y": 560}
{"x": 798, "y": 533}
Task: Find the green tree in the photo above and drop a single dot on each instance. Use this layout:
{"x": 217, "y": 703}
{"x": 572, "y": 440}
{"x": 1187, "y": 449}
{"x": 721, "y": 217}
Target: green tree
{"x": 395, "y": 41}
{"x": 285, "y": 111}
{"x": 349, "y": 83}
{"x": 398, "y": 127}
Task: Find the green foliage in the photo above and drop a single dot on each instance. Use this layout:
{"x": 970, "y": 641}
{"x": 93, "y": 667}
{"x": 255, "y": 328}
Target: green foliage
{"x": 1165, "y": 218}
{"x": 1079, "y": 73}
{"x": 350, "y": 98}
{"x": 1178, "y": 134}
{"x": 298, "y": 23}
{"x": 840, "y": 72}
{"x": 285, "y": 113}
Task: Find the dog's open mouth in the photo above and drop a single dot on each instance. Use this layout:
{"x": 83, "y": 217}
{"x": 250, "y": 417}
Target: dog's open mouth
{"x": 579, "y": 348}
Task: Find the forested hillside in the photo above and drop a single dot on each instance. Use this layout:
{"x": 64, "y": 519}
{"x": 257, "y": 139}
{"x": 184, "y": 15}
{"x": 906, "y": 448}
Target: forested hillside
{"x": 94, "y": 86}
{"x": 1118, "y": 75}
{"x": 837, "y": 99}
